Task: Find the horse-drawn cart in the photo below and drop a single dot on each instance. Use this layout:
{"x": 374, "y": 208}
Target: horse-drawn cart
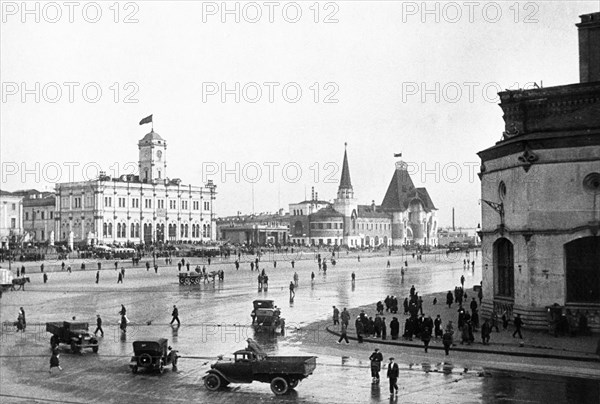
{"x": 190, "y": 278}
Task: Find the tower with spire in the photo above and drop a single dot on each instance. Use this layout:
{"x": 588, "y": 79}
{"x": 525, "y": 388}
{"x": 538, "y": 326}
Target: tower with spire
{"x": 153, "y": 158}
{"x": 345, "y": 203}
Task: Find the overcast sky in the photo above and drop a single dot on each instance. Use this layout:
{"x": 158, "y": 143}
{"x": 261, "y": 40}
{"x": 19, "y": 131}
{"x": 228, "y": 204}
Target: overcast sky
{"x": 383, "y": 76}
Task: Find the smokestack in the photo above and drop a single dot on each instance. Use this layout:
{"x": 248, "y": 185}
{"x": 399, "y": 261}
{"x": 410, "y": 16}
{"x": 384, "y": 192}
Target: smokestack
{"x": 312, "y": 193}
{"x": 453, "y": 228}
{"x": 589, "y": 47}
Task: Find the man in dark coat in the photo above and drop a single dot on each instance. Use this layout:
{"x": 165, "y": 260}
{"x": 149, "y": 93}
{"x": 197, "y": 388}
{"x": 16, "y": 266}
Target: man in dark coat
{"x": 376, "y": 358}
{"x": 394, "y": 328}
{"x": 449, "y": 299}
{"x": 175, "y": 315}
{"x": 392, "y": 374}
{"x": 359, "y": 330}
{"x": 99, "y": 325}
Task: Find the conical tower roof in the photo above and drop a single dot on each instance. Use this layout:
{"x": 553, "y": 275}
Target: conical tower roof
{"x": 345, "y": 181}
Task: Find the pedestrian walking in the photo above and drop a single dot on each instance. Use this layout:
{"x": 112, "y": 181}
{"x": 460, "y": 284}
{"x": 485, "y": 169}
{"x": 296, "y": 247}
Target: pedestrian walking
{"x": 345, "y": 316}
{"x": 462, "y": 281}
{"x": 23, "y": 319}
{"x": 518, "y": 324}
{"x": 97, "y": 276}
{"x": 116, "y": 265}
{"x": 447, "y": 341}
{"x": 292, "y": 293}
{"x": 392, "y": 374}
{"x": 486, "y": 330}
{"x": 187, "y": 265}
{"x": 376, "y": 358}
{"x": 123, "y": 323}
{"x": 336, "y": 316}
{"x": 175, "y": 315}
{"x": 353, "y": 277}
{"x": 504, "y": 320}
{"x": 312, "y": 276}
{"x": 296, "y": 279}
{"x": 120, "y": 278}
{"x": 123, "y": 311}
{"x": 99, "y": 325}
{"x": 147, "y": 266}
{"x": 42, "y": 268}
{"x": 293, "y": 263}
{"x": 62, "y": 266}
{"x": 179, "y": 266}
{"x": 426, "y": 337}
{"x": 155, "y": 268}
{"x": 45, "y": 277}
{"x": 55, "y": 361}
{"x": 480, "y": 294}
{"x": 343, "y": 333}
{"x": 99, "y": 266}
{"x": 394, "y": 328}
{"x": 360, "y": 328}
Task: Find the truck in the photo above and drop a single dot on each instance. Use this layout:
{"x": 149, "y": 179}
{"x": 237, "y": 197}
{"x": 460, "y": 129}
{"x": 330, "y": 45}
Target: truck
{"x": 75, "y": 334}
{"x": 282, "y": 372}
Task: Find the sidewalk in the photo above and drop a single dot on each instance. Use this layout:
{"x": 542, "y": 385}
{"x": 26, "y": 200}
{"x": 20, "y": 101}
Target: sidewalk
{"x": 538, "y": 344}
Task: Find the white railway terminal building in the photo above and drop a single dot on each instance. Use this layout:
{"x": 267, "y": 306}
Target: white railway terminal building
{"x": 146, "y": 208}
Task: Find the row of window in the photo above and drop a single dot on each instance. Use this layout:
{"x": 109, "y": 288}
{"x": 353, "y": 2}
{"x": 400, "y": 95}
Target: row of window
{"x": 135, "y": 203}
{"x": 134, "y": 230}
{"x": 42, "y": 214}
{"x": 361, "y": 226}
{"x": 298, "y": 212}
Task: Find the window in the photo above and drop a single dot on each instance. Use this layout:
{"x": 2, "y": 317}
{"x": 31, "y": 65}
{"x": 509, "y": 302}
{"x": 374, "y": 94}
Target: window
{"x": 26, "y": 215}
{"x": 184, "y": 205}
{"x": 137, "y": 229}
{"x": 206, "y": 205}
{"x": 172, "y": 204}
{"x": 13, "y": 223}
{"x": 132, "y": 232}
{"x": 121, "y": 202}
{"x": 105, "y": 229}
{"x": 321, "y": 226}
{"x": 77, "y": 202}
{"x": 110, "y": 233}
{"x": 14, "y": 206}
{"x": 148, "y": 203}
{"x": 160, "y": 203}
{"x": 43, "y": 235}
{"x": 43, "y": 214}
{"x": 135, "y": 203}
{"x": 195, "y": 205}
{"x": 329, "y": 225}
{"x": 107, "y": 201}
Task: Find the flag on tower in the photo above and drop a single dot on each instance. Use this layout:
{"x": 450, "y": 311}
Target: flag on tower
{"x": 395, "y": 154}
{"x": 147, "y": 119}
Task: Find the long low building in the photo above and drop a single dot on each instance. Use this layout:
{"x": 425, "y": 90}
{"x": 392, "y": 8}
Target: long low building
{"x": 261, "y": 229}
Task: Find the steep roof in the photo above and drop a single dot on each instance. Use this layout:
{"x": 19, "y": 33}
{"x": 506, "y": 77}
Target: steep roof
{"x": 402, "y": 191}
{"x": 366, "y": 211}
{"x": 327, "y": 211}
{"x": 345, "y": 179}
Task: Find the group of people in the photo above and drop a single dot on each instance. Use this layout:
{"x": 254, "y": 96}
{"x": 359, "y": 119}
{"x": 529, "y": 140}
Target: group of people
{"x": 392, "y": 370}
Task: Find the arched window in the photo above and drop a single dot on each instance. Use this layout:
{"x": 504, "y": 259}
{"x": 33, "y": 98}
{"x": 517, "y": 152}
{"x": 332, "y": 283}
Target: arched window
{"x": 504, "y": 268}
{"x": 203, "y": 230}
{"x": 110, "y": 230}
{"x": 137, "y": 230}
{"x": 118, "y": 230}
{"x": 582, "y": 263}
{"x": 105, "y": 229}
{"x": 298, "y": 228}
{"x": 132, "y": 232}
{"x": 186, "y": 231}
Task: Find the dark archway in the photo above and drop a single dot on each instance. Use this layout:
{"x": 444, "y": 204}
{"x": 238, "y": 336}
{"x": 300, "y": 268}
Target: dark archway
{"x": 298, "y": 228}
{"x": 583, "y": 270}
{"x": 504, "y": 268}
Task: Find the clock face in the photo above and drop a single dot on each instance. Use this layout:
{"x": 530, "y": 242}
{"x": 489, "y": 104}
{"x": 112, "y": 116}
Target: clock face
{"x": 159, "y": 154}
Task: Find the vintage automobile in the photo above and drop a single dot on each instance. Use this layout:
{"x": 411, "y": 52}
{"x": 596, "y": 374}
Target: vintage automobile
{"x": 265, "y": 316}
{"x": 282, "y": 372}
{"x": 190, "y": 278}
{"x": 152, "y": 354}
{"x": 74, "y": 333}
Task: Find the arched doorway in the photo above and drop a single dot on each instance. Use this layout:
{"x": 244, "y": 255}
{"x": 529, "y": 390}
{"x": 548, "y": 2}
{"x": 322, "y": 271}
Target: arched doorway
{"x": 376, "y": 241}
{"x": 504, "y": 269}
{"x": 367, "y": 241}
{"x": 582, "y": 263}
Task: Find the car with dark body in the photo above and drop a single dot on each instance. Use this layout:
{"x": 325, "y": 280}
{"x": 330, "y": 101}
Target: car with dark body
{"x": 151, "y": 354}
{"x": 74, "y": 333}
{"x": 282, "y": 372}
{"x": 265, "y": 316}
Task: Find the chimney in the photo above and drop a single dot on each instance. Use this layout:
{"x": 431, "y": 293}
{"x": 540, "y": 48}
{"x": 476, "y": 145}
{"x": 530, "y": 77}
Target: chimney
{"x": 316, "y": 196}
{"x": 453, "y": 228}
{"x": 589, "y": 47}
{"x": 312, "y": 194}
{"x": 373, "y": 205}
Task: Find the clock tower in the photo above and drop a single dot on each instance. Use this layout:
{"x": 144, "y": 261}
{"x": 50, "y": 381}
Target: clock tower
{"x": 153, "y": 160}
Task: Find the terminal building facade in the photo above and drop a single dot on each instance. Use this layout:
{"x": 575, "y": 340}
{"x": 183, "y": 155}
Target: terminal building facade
{"x": 540, "y": 187}
{"x": 406, "y": 216}
{"x": 133, "y": 209}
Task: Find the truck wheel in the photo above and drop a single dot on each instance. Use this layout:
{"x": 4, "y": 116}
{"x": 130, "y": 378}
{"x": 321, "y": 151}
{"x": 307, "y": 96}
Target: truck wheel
{"x": 293, "y": 383}
{"x": 279, "y": 386}
{"x": 95, "y": 349}
{"x": 212, "y": 382}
